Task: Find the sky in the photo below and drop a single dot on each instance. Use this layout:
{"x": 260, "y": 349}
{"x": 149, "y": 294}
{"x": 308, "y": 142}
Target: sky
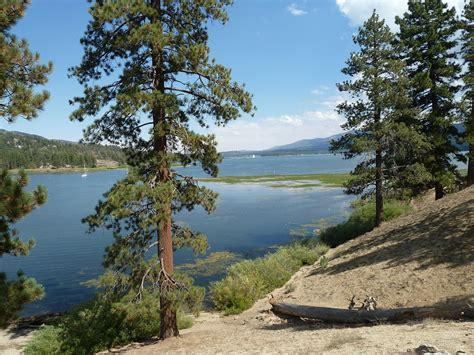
{"x": 289, "y": 53}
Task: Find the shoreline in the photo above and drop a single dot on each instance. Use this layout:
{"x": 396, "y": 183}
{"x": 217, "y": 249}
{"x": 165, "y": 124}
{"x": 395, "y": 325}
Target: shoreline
{"x": 285, "y": 180}
{"x": 64, "y": 170}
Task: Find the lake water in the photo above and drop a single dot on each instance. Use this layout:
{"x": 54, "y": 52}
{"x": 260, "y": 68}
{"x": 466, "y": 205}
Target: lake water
{"x": 250, "y": 219}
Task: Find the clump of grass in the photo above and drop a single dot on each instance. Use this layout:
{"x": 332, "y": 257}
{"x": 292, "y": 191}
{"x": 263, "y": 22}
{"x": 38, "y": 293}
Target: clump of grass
{"x": 249, "y": 280}
{"x": 360, "y": 221}
{"x": 323, "y": 262}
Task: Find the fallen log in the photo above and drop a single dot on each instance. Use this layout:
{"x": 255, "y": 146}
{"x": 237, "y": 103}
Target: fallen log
{"x": 362, "y": 316}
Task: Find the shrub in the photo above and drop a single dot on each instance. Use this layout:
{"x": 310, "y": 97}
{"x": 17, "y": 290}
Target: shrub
{"x": 249, "y": 280}
{"x": 104, "y": 323}
{"x": 361, "y": 220}
{"x": 46, "y": 341}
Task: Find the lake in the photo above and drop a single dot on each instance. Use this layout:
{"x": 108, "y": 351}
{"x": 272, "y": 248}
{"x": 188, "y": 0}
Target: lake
{"x": 250, "y": 219}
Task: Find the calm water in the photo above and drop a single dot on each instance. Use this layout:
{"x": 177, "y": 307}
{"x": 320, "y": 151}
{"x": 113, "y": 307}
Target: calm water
{"x": 250, "y": 219}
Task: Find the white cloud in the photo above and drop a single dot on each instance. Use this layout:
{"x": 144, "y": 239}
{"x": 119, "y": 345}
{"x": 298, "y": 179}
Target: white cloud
{"x": 295, "y": 10}
{"x": 320, "y": 90}
{"x": 252, "y": 134}
{"x": 360, "y": 10}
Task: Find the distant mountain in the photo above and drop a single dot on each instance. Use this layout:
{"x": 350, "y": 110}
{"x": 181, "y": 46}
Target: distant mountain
{"x": 315, "y": 145}
{"x": 309, "y": 146}
{"x": 304, "y": 146}
{"x": 30, "y": 151}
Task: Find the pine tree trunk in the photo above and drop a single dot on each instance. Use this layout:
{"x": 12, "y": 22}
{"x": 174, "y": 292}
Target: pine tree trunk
{"x": 378, "y": 170}
{"x": 168, "y": 320}
{"x": 439, "y": 191}
{"x": 379, "y": 213}
{"x": 169, "y": 323}
{"x": 470, "y": 166}
{"x": 470, "y": 157}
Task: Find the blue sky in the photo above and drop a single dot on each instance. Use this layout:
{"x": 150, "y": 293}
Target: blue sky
{"x": 289, "y": 54}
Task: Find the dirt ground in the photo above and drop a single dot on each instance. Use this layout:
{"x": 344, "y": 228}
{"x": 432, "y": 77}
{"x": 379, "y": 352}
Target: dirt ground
{"x": 425, "y": 258}
{"x": 12, "y": 340}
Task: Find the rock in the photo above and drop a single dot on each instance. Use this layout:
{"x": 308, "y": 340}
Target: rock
{"x": 427, "y": 349}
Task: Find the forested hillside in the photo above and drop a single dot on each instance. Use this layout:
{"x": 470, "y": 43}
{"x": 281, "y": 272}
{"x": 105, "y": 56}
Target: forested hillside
{"x": 21, "y": 150}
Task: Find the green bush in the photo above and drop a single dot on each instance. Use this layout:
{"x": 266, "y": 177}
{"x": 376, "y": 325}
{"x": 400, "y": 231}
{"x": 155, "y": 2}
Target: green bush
{"x": 46, "y": 341}
{"x": 249, "y": 280}
{"x": 104, "y": 323}
{"x": 361, "y": 220}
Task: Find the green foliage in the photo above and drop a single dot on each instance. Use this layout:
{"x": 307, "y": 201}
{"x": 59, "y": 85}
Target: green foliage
{"x": 249, "y": 280}
{"x": 15, "y": 204}
{"x": 360, "y": 221}
{"x": 27, "y": 151}
{"x": 20, "y": 71}
{"x": 106, "y": 322}
{"x": 323, "y": 262}
{"x": 46, "y": 341}
{"x": 427, "y": 39}
{"x": 381, "y": 131}
{"x": 15, "y": 294}
{"x": 147, "y": 75}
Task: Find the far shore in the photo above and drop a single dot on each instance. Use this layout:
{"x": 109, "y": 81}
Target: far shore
{"x": 66, "y": 170}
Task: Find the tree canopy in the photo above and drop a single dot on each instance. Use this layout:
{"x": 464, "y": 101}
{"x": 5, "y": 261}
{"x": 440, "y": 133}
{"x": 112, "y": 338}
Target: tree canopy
{"x": 151, "y": 60}
{"x": 427, "y": 40}
{"x": 377, "y": 113}
{"x": 20, "y": 70}
{"x": 20, "y": 73}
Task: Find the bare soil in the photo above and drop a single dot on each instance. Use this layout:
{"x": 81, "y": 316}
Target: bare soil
{"x": 421, "y": 259}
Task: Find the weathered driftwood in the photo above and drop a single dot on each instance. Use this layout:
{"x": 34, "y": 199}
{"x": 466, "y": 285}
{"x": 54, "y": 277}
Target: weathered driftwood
{"x": 361, "y": 316}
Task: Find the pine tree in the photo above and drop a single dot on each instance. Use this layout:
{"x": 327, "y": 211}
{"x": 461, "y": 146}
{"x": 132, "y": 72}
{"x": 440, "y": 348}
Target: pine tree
{"x": 20, "y": 72}
{"x": 468, "y": 78}
{"x": 15, "y": 203}
{"x": 156, "y": 57}
{"x": 427, "y": 37}
{"x": 376, "y": 115}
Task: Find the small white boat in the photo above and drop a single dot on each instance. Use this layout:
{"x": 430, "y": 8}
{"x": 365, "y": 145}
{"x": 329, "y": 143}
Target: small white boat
{"x": 253, "y": 156}
{"x": 84, "y": 174}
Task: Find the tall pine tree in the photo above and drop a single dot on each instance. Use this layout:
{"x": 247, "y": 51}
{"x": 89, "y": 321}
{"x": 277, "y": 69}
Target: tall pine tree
{"x": 468, "y": 78}
{"x": 428, "y": 38}
{"x": 376, "y": 114}
{"x": 160, "y": 76}
{"x": 20, "y": 73}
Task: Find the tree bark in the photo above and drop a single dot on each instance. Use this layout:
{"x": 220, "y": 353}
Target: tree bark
{"x": 352, "y": 316}
{"x": 379, "y": 213}
{"x": 470, "y": 166}
{"x": 439, "y": 191}
{"x": 470, "y": 157}
{"x": 169, "y": 324}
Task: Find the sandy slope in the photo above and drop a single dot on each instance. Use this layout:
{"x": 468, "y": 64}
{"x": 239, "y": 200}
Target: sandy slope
{"x": 420, "y": 259}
